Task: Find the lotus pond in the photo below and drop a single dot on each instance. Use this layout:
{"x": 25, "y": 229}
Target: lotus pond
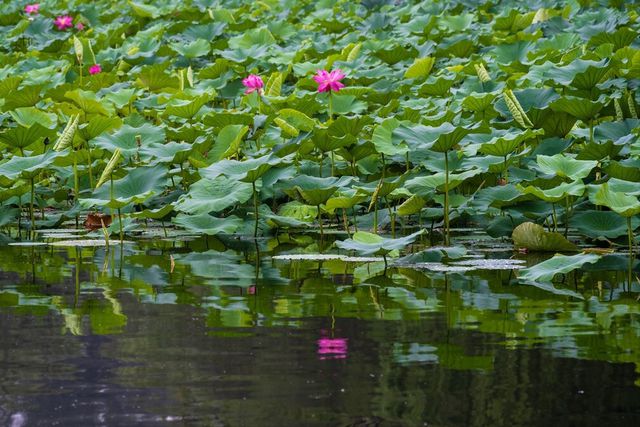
{"x": 347, "y": 213}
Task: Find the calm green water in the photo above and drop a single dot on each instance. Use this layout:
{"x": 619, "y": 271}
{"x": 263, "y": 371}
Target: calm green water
{"x": 227, "y": 338}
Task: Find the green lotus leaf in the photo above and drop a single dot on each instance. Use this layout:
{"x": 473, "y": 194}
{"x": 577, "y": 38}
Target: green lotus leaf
{"x": 534, "y": 237}
{"x": 28, "y": 116}
{"x": 137, "y": 186}
{"x": 580, "y": 73}
{"x": 28, "y": 167}
{"x": 556, "y": 194}
{"x": 127, "y": 136}
{"x": 228, "y": 142}
{"x": 619, "y": 202}
{"x": 440, "y": 139}
{"x": 23, "y": 137}
{"x": 213, "y": 195}
{"x": 559, "y": 264}
{"x": 505, "y": 142}
{"x": 602, "y": 224}
{"x": 90, "y": 103}
{"x": 208, "y": 224}
{"x": 313, "y": 190}
{"x": 411, "y": 206}
{"x": 186, "y": 108}
{"x": 246, "y": 171}
{"x": 580, "y": 108}
{"x": 258, "y": 37}
{"x": 420, "y": 68}
{"x": 192, "y": 49}
{"x": 373, "y": 244}
{"x": 565, "y": 166}
{"x": 383, "y": 138}
{"x": 344, "y": 200}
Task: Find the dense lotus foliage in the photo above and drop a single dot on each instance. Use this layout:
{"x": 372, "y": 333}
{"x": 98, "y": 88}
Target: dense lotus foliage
{"x": 250, "y": 118}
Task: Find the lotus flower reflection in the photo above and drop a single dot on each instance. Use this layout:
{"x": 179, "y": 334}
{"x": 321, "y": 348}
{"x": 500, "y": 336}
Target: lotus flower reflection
{"x": 332, "y": 348}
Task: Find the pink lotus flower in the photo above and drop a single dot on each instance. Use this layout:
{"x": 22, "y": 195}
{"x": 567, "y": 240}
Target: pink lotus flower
{"x": 253, "y": 83}
{"x": 79, "y": 26}
{"x": 328, "y": 82}
{"x": 95, "y": 69}
{"x": 332, "y": 348}
{"x": 31, "y": 8}
{"x": 63, "y": 22}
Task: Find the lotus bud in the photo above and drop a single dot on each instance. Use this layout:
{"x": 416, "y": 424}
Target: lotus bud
{"x": 66, "y": 137}
{"x": 106, "y": 173}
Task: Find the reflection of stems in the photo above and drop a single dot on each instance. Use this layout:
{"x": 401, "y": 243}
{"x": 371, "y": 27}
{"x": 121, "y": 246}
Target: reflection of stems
{"x": 255, "y": 208}
{"x": 446, "y": 198}
{"x": 631, "y": 257}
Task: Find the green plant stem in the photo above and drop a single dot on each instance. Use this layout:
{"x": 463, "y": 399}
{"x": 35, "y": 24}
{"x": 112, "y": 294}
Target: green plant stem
{"x": 320, "y": 222}
{"x": 345, "y": 221}
{"x": 76, "y": 184}
{"x": 90, "y": 166}
{"x": 330, "y": 107}
{"x": 555, "y": 218}
{"x": 120, "y": 224}
{"x": 566, "y": 216}
{"x": 333, "y": 165}
{"x": 33, "y": 220}
{"x": 255, "y": 208}
{"x": 355, "y": 222}
{"x": 446, "y": 198}
{"x": 506, "y": 170}
{"x": 631, "y": 256}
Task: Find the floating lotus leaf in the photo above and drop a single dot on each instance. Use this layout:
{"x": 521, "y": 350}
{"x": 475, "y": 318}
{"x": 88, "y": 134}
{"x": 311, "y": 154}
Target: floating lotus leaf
{"x": 208, "y": 224}
{"x": 213, "y": 195}
{"x": 373, "y": 244}
{"x": 559, "y": 264}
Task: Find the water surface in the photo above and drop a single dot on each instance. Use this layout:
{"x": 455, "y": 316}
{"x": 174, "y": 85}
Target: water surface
{"x": 227, "y": 337}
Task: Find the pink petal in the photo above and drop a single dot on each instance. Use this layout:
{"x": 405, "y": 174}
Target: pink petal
{"x": 323, "y": 87}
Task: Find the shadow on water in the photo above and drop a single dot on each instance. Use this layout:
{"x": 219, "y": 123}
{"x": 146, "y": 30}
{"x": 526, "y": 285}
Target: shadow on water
{"x": 212, "y": 332}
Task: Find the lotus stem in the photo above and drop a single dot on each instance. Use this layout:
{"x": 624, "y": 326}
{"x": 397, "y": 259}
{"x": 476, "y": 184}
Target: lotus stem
{"x": 566, "y": 216}
{"x": 555, "y": 218}
{"x": 392, "y": 218}
{"x": 330, "y": 107}
{"x": 355, "y": 222}
{"x": 120, "y": 224}
{"x": 345, "y": 221}
{"x": 76, "y": 184}
{"x": 631, "y": 256}
{"x": 255, "y": 208}
{"x": 90, "y": 166}
{"x": 33, "y": 220}
{"x": 446, "y": 198}
{"x": 320, "y": 222}
{"x": 321, "y": 162}
{"x": 333, "y": 165}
